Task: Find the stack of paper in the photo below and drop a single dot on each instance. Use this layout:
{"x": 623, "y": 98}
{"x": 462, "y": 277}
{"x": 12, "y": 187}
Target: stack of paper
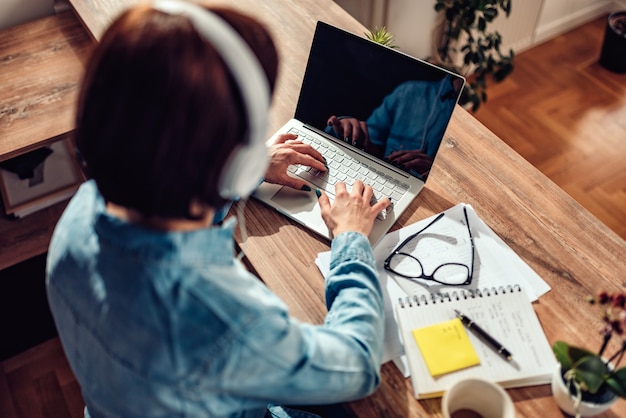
{"x": 496, "y": 265}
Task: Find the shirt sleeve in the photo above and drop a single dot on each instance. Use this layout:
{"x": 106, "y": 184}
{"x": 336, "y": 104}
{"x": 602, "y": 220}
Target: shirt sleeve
{"x": 290, "y": 362}
{"x": 353, "y": 290}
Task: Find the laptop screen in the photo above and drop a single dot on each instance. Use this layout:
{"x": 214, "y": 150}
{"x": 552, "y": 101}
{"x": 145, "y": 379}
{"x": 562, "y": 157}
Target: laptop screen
{"x": 386, "y": 103}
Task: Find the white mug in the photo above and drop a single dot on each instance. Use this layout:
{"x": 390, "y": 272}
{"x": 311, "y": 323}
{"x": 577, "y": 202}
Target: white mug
{"x": 477, "y": 398}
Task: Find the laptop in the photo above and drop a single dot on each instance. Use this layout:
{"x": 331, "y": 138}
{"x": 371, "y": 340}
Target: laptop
{"x": 401, "y": 106}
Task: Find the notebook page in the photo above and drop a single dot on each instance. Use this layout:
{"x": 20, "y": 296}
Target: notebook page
{"x": 507, "y": 316}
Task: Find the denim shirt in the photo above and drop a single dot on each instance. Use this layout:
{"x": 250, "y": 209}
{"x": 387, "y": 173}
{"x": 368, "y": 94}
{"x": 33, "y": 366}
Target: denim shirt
{"x": 413, "y": 117}
{"x": 171, "y": 324}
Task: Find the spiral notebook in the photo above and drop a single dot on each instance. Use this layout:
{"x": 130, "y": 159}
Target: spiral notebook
{"x": 506, "y": 313}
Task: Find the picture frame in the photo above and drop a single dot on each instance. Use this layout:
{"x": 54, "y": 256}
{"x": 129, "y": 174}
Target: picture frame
{"x": 59, "y": 178}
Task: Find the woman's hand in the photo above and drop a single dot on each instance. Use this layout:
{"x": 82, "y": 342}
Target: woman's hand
{"x": 288, "y": 150}
{"x": 351, "y": 130}
{"x": 351, "y": 211}
{"x": 412, "y": 160}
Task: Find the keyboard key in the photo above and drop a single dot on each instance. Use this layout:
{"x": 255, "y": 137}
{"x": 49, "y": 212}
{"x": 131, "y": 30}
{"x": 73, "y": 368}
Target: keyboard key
{"x": 342, "y": 167}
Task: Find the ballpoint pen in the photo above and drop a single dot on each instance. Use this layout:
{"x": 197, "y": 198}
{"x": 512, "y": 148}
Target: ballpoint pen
{"x": 482, "y": 334}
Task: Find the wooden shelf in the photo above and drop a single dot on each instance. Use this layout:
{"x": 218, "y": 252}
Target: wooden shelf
{"x": 41, "y": 65}
{"x": 97, "y": 15}
{"x": 24, "y": 238}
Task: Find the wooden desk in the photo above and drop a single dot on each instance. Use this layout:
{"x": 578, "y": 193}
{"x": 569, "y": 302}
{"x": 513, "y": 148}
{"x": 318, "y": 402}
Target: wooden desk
{"x": 565, "y": 244}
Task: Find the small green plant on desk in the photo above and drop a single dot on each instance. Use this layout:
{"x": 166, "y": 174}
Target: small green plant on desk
{"x": 592, "y": 376}
{"x": 382, "y": 36}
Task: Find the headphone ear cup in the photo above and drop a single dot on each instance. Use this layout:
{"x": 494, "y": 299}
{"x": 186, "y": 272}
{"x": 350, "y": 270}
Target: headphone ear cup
{"x": 244, "y": 170}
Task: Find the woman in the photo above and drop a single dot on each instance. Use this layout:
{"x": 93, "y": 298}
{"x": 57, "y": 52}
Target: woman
{"x": 156, "y": 314}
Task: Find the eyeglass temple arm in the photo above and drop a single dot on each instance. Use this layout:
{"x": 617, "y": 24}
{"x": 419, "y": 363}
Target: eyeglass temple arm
{"x": 441, "y": 215}
{"x": 469, "y": 230}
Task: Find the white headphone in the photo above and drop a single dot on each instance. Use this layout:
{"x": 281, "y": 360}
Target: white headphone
{"x": 244, "y": 169}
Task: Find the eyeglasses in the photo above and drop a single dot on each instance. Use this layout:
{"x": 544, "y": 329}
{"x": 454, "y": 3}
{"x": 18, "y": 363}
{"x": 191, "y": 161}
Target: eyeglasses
{"x": 410, "y": 267}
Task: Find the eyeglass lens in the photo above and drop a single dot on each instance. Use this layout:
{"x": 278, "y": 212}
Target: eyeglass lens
{"x": 439, "y": 252}
{"x": 450, "y": 273}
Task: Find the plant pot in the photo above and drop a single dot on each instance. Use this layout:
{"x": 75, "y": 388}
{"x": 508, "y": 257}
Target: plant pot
{"x": 613, "y": 55}
{"x": 567, "y": 400}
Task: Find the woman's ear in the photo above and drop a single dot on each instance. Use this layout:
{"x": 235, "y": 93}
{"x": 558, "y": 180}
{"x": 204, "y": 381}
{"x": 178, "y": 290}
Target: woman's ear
{"x": 198, "y": 209}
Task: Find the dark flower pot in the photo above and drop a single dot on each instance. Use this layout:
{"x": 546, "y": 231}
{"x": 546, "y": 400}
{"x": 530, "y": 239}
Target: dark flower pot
{"x": 613, "y": 55}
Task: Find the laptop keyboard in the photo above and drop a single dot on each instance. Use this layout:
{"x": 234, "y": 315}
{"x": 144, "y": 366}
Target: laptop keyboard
{"x": 342, "y": 167}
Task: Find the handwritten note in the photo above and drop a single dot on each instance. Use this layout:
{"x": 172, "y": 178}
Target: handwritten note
{"x": 445, "y": 347}
{"x": 506, "y": 314}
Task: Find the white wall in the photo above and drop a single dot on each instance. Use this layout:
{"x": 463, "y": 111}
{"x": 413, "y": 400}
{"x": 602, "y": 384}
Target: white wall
{"x": 531, "y": 21}
{"x": 371, "y": 13}
{"x": 412, "y": 24}
{"x": 559, "y": 16}
{"x": 15, "y": 12}
{"x": 409, "y": 21}
{"x": 518, "y": 30}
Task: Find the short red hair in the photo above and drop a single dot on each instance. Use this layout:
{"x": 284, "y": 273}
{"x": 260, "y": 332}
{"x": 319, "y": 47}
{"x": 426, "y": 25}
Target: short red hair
{"x": 159, "y": 112}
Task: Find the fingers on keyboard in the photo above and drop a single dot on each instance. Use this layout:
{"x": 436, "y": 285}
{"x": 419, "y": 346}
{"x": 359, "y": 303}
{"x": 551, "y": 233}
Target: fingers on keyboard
{"x": 346, "y": 169}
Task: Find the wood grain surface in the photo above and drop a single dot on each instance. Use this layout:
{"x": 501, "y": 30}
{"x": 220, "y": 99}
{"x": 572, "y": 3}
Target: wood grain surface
{"x": 41, "y": 64}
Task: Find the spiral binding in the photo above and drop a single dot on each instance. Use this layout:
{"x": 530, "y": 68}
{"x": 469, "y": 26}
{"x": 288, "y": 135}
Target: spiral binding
{"x": 442, "y": 297}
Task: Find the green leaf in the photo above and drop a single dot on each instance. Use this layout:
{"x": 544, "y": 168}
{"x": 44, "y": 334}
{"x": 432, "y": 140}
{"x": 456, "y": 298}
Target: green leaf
{"x": 475, "y": 102}
{"x": 589, "y": 371}
{"x": 561, "y": 351}
{"x": 480, "y": 56}
{"x": 617, "y": 382}
{"x": 490, "y": 13}
{"x": 503, "y": 72}
{"x": 576, "y": 354}
{"x": 451, "y": 15}
{"x": 482, "y": 24}
{"x": 506, "y": 6}
{"x": 382, "y": 36}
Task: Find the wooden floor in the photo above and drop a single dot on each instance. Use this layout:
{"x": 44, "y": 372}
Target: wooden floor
{"x": 39, "y": 384}
{"x": 566, "y": 115}
{"x": 559, "y": 109}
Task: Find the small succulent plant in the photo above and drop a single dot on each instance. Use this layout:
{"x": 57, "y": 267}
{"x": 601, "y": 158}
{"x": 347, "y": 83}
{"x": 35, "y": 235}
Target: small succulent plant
{"x": 382, "y": 36}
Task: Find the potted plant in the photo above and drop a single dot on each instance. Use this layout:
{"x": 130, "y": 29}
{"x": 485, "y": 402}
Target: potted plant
{"x": 464, "y": 31}
{"x": 382, "y": 36}
{"x": 586, "y": 382}
{"x": 613, "y": 55}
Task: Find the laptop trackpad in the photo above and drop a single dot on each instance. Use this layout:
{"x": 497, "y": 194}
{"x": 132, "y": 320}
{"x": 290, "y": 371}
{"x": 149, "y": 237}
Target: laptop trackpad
{"x": 295, "y": 201}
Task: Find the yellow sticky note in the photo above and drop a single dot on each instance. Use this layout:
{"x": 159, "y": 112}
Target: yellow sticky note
{"x": 445, "y": 347}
